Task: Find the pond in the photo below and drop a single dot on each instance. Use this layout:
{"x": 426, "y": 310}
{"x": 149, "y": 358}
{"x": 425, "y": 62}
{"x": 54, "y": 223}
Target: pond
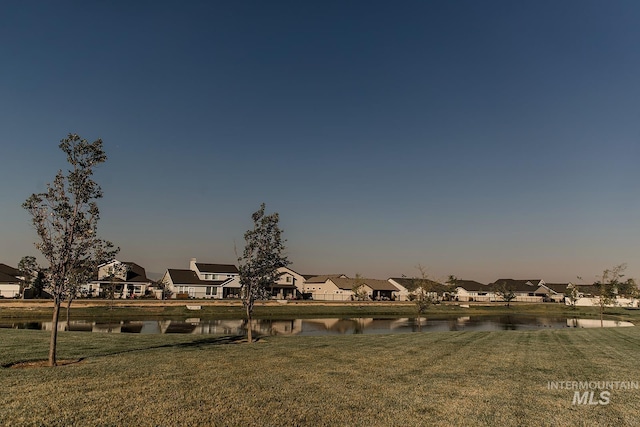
{"x": 323, "y": 326}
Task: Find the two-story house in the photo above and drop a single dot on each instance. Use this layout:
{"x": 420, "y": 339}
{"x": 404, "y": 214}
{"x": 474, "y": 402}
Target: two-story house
{"x": 203, "y": 280}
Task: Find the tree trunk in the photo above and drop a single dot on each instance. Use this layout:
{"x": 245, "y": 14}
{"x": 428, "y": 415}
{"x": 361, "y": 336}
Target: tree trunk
{"x": 249, "y": 335}
{"x": 54, "y": 333}
{"x": 68, "y": 308}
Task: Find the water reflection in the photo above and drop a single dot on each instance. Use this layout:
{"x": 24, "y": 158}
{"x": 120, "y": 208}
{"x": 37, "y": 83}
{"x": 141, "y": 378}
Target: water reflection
{"x": 314, "y": 327}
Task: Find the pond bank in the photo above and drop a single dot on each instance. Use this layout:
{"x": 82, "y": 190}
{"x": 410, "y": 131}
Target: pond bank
{"x": 209, "y": 309}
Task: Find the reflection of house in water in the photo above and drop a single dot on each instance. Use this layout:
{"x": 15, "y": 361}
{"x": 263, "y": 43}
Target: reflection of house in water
{"x": 595, "y": 323}
{"x": 110, "y": 327}
{"x": 338, "y": 326}
{"x": 277, "y": 327}
{"x": 196, "y": 326}
{"x": 80, "y": 326}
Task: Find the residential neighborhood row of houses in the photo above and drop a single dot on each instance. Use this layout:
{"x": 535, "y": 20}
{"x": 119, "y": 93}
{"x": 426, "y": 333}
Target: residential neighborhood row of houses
{"x": 221, "y": 281}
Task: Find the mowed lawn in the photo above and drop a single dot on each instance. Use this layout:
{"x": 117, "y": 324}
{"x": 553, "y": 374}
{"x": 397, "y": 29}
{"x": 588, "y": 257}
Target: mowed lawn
{"x": 446, "y": 378}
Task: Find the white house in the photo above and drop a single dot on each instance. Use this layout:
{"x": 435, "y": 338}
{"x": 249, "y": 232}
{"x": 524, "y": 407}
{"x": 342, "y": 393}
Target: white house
{"x": 338, "y": 287}
{"x": 128, "y": 279}
{"x": 322, "y": 288}
{"x": 407, "y": 288}
{"x": 525, "y": 290}
{"x": 204, "y": 280}
{"x": 470, "y": 290}
{"x": 289, "y": 285}
{"x": 10, "y": 282}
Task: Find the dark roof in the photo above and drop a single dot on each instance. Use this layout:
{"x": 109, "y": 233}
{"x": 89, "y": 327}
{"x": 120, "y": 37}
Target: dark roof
{"x": 135, "y": 273}
{"x": 187, "y": 277}
{"x": 375, "y": 284}
{"x": 520, "y": 285}
{"x": 589, "y": 289}
{"x": 380, "y": 285}
{"x": 557, "y": 287}
{"x": 324, "y": 277}
{"x": 411, "y": 284}
{"x": 471, "y": 285}
{"x": 4, "y": 268}
{"x": 217, "y": 268}
{"x": 7, "y": 278}
{"x": 407, "y": 282}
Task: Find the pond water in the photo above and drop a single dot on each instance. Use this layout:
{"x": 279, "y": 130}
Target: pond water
{"x": 329, "y": 326}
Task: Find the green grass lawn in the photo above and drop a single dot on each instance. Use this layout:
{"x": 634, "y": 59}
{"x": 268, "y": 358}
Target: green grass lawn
{"x": 445, "y": 378}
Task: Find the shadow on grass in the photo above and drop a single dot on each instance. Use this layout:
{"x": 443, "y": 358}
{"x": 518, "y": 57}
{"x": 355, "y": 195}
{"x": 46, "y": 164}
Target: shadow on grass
{"x": 200, "y": 343}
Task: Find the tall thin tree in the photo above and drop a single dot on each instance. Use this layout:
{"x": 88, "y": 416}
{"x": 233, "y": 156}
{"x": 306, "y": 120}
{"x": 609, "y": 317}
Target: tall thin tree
{"x": 65, "y": 218}
{"x": 263, "y": 255}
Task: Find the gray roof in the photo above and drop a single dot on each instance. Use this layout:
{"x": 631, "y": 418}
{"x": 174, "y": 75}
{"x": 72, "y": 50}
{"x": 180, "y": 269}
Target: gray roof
{"x": 520, "y": 285}
{"x": 189, "y": 277}
{"x": 217, "y": 268}
{"x": 135, "y": 273}
{"x": 411, "y": 284}
{"x": 471, "y": 285}
{"x": 375, "y": 284}
{"x": 7, "y": 278}
{"x": 186, "y": 277}
{"x": 10, "y": 271}
{"x": 557, "y": 287}
{"x": 324, "y": 277}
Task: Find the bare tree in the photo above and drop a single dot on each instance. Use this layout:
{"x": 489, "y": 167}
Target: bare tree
{"x": 263, "y": 255}
{"x": 65, "y": 218}
{"x": 573, "y": 293}
{"x": 359, "y": 292}
{"x": 505, "y": 292}
{"x": 608, "y": 287}
{"x": 423, "y": 291}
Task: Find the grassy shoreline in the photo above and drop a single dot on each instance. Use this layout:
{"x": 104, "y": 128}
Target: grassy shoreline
{"x": 101, "y": 309}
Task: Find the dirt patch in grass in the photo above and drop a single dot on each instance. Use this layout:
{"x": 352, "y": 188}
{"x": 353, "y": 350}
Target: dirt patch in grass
{"x": 41, "y": 364}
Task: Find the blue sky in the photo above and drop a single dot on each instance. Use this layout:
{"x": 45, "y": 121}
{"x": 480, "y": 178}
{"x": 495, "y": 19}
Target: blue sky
{"x": 482, "y": 139}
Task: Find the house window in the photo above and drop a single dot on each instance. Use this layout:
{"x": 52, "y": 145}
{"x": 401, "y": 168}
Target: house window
{"x": 288, "y": 279}
{"x": 207, "y": 276}
{"x": 208, "y": 292}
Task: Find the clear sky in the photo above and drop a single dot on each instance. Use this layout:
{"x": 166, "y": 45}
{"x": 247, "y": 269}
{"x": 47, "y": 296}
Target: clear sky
{"x": 484, "y": 139}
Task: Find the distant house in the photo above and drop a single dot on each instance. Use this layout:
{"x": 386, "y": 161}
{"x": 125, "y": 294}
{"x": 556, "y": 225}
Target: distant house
{"x": 470, "y": 290}
{"x": 589, "y": 296}
{"x": 203, "y": 280}
{"x": 407, "y": 288}
{"x": 379, "y": 290}
{"x": 404, "y": 286}
{"x": 338, "y": 287}
{"x": 10, "y": 282}
{"x": 323, "y": 289}
{"x": 555, "y": 292}
{"x": 525, "y": 290}
{"x": 128, "y": 279}
{"x": 289, "y": 285}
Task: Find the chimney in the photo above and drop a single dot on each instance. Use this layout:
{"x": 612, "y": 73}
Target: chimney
{"x": 192, "y": 264}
